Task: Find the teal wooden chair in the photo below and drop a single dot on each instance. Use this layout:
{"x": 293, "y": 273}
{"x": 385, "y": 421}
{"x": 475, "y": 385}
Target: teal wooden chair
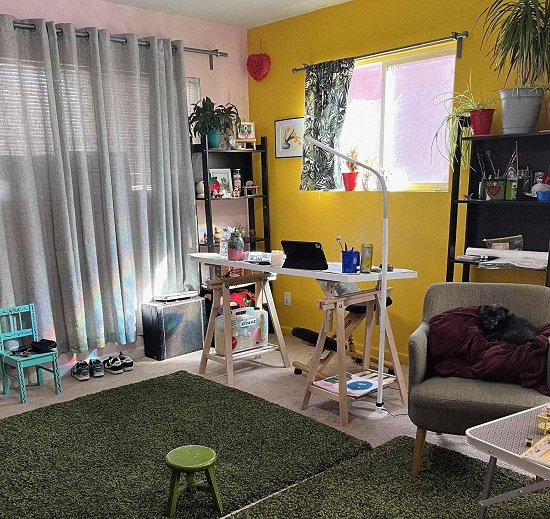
{"x": 16, "y": 323}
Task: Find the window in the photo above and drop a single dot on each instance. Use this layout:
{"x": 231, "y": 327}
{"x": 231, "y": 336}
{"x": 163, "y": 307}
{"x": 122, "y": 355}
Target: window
{"x": 394, "y": 111}
{"x": 193, "y": 90}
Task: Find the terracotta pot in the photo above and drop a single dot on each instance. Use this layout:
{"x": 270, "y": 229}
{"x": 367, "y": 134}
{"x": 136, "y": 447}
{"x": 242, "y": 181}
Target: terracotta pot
{"x": 481, "y": 120}
{"x": 350, "y": 180}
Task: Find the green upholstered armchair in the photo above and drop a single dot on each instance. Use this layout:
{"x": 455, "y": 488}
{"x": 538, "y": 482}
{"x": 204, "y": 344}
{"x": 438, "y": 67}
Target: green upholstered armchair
{"x": 451, "y": 404}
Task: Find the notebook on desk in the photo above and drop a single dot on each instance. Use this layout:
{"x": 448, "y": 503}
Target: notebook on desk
{"x": 307, "y": 255}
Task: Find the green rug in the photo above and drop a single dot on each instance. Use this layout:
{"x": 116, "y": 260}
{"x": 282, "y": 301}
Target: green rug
{"x": 378, "y": 485}
{"x": 102, "y": 455}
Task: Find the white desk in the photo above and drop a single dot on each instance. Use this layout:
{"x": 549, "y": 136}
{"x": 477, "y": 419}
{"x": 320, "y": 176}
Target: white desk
{"x": 332, "y": 305}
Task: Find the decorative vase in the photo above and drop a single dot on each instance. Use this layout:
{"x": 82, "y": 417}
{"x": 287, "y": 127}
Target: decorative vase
{"x": 481, "y": 120}
{"x": 214, "y": 138}
{"x": 199, "y": 188}
{"x": 350, "y": 180}
{"x": 235, "y": 246}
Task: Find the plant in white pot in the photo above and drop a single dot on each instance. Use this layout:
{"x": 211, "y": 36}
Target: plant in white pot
{"x": 211, "y": 120}
{"x": 518, "y": 30}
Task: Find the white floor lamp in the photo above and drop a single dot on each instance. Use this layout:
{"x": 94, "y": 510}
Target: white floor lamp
{"x": 384, "y": 273}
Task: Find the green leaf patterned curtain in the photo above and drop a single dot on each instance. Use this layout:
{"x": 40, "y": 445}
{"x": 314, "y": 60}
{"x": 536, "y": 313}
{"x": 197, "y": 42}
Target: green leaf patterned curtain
{"x": 326, "y": 94}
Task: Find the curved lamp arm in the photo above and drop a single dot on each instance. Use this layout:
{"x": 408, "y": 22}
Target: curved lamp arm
{"x": 384, "y": 272}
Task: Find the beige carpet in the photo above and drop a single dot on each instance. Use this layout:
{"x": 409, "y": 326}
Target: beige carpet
{"x": 265, "y": 378}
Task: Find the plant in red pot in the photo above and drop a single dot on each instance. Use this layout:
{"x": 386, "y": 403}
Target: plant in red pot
{"x": 468, "y": 115}
{"x": 349, "y": 177}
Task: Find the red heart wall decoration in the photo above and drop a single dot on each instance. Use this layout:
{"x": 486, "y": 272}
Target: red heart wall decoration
{"x": 258, "y": 65}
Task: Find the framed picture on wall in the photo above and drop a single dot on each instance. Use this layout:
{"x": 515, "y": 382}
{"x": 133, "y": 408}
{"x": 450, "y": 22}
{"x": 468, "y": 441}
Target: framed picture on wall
{"x": 289, "y": 136}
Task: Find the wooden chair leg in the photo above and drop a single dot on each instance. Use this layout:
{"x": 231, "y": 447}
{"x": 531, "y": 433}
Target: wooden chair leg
{"x": 5, "y": 379}
{"x": 214, "y": 490}
{"x": 174, "y": 492}
{"x": 56, "y": 375}
{"x": 418, "y": 450}
{"x": 39, "y": 378}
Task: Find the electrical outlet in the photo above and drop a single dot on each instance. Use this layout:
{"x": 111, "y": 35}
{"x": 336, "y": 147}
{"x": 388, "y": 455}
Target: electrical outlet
{"x": 287, "y": 298}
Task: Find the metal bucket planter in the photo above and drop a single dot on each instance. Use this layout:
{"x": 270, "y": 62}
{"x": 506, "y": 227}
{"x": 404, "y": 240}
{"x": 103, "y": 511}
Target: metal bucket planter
{"x": 520, "y": 109}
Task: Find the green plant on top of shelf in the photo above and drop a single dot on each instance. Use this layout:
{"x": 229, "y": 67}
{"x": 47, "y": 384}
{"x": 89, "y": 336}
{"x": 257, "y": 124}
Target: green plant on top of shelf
{"x": 519, "y": 31}
{"x": 207, "y": 117}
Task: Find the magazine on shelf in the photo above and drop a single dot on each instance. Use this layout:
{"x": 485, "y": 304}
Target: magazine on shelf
{"x": 540, "y": 451}
{"x": 357, "y": 385}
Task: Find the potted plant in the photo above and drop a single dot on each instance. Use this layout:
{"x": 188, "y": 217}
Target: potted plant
{"x": 467, "y": 115}
{"x": 349, "y": 177}
{"x": 519, "y": 32}
{"x": 211, "y": 120}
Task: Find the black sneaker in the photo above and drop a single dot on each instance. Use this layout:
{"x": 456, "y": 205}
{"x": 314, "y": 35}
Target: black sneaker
{"x": 81, "y": 371}
{"x": 113, "y": 365}
{"x": 127, "y": 362}
{"x": 96, "y": 368}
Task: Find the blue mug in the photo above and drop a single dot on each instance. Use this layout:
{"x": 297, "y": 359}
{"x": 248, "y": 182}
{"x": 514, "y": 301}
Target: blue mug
{"x": 350, "y": 261}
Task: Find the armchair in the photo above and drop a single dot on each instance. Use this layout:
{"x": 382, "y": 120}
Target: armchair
{"x": 451, "y": 404}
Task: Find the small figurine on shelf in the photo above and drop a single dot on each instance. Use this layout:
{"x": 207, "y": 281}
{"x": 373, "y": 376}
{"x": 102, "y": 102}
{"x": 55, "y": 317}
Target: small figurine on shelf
{"x": 215, "y": 188}
{"x": 230, "y": 143}
{"x": 251, "y": 188}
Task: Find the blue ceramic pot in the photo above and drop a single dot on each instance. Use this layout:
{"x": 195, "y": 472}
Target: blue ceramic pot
{"x": 214, "y": 138}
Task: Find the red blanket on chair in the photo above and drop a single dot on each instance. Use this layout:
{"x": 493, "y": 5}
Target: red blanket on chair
{"x": 457, "y": 347}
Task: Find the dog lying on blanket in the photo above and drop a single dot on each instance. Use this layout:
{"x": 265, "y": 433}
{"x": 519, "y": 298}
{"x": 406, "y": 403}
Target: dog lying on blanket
{"x": 499, "y": 325}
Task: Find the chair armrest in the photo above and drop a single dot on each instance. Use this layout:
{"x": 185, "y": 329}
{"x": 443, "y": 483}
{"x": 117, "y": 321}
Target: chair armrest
{"x": 418, "y": 355}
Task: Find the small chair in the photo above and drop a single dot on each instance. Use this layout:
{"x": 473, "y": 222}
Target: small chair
{"x": 188, "y": 460}
{"x": 15, "y": 323}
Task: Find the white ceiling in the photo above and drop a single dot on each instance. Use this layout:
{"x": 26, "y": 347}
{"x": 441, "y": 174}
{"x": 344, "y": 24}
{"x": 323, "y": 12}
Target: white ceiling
{"x": 240, "y": 13}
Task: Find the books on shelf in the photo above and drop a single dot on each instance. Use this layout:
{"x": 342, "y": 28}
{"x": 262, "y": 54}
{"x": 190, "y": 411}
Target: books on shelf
{"x": 540, "y": 451}
{"x": 357, "y": 386}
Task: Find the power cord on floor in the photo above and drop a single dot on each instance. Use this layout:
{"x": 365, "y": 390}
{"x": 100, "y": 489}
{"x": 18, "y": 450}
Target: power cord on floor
{"x": 394, "y": 415}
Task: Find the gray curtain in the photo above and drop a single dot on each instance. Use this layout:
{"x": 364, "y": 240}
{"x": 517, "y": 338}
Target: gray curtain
{"x": 96, "y": 188}
{"x": 326, "y": 93}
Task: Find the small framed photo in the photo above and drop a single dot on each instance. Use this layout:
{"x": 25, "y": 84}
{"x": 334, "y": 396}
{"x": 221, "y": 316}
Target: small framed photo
{"x": 245, "y": 131}
{"x": 223, "y": 176}
{"x": 289, "y": 136}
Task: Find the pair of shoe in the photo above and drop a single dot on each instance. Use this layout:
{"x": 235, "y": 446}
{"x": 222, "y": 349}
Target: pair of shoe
{"x": 82, "y": 370}
{"x": 118, "y": 364}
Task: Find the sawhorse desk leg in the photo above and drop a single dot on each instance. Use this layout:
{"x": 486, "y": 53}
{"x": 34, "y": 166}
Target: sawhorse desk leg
{"x": 336, "y": 305}
{"x": 221, "y": 288}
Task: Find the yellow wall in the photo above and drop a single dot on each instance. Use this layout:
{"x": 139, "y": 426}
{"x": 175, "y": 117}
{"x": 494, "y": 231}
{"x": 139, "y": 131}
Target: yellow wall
{"x": 418, "y": 228}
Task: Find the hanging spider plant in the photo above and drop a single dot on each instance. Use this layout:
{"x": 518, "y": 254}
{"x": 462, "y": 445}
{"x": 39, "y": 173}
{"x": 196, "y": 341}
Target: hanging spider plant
{"x": 456, "y": 122}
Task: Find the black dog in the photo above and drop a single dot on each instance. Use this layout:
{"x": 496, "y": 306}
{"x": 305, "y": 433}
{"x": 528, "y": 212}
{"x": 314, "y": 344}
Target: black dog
{"x": 500, "y": 325}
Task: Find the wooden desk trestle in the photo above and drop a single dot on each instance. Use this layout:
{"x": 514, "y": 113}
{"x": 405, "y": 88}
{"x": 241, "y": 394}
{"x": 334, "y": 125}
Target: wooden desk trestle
{"x": 334, "y": 310}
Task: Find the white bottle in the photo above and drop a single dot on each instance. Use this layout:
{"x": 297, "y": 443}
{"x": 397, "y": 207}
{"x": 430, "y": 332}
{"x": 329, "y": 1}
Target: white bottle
{"x": 224, "y": 244}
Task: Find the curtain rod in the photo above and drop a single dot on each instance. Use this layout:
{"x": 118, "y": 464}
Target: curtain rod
{"x": 458, "y": 36}
{"x": 124, "y": 41}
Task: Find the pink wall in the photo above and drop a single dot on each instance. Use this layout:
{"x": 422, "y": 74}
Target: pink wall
{"x": 226, "y": 83}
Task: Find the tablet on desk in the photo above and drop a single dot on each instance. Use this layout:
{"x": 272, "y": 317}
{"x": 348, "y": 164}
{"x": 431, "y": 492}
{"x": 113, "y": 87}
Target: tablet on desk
{"x": 306, "y": 255}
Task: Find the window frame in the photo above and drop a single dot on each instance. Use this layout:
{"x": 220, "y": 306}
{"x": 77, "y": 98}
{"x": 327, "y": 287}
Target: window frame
{"x": 407, "y": 56}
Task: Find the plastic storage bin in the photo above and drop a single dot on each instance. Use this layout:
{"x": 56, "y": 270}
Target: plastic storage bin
{"x": 249, "y": 329}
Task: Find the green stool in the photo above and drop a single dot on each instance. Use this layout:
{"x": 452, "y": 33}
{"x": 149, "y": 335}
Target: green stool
{"x": 190, "y": 459}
